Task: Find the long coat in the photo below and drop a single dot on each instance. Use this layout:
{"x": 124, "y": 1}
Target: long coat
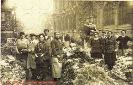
{"x": 42, "y": 50}
{"x": 110, "y": 44}
{"x": 43, "y": 65}
{"x": 110, "y": 55}
{"x": 56, "y": 47}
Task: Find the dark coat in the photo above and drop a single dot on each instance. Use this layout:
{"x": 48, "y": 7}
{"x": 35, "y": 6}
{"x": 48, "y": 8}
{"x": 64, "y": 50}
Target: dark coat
{"x": 43, "y": 62}
{"x": 56, "y": 47}
{"x": 123, "y": 42}
{"x": 95, "y": 46}
{"x": 110, "y": 44}
{"x": 43, "y": 48}
{"x": 102, "y": 42}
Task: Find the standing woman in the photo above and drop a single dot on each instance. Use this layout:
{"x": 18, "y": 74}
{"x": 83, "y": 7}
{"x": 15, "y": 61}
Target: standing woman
{"x": 95, "y": 44}
{"x": 31, "y": 64}
{"x": 57, "y": 50}
{"x": 42, "y": 53}
{"x": 110, "y": 48}
{"x": 22, "y": 48}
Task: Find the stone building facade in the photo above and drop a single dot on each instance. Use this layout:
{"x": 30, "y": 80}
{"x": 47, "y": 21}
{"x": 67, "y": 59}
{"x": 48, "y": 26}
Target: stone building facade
{"x": 70, "y": 15}
{"x": 8, "y": 30}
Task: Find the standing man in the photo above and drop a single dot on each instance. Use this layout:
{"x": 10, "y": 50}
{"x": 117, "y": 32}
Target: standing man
{"x": 123, "y": 40}
{"x": 57, "y": 50}
{"x": 110, "y": 48}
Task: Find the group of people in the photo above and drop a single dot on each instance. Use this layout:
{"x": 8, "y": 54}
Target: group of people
{"x": 41, "y": 54}
{"x": 107, "y": 46}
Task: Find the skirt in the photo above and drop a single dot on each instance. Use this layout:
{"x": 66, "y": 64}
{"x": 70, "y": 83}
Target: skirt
{"x": 23, "y": 59}
{"x": 43, "y": 69}
{"x": 56, "y": 68}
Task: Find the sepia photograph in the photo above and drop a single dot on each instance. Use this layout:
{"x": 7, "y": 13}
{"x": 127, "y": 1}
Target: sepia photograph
{"x": 66, "y": 42}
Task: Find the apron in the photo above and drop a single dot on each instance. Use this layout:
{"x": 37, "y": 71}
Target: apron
{"x": 56, "y": 68}
{"x": 31, "y": 61}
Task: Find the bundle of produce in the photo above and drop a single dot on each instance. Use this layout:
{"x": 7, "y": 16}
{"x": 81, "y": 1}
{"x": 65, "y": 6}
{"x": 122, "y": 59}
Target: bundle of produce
{"x": 123, "y": 68}
{"x": 92, "y": 74}
{"x": 11, "y": 71}
{"x": 80, "y": 69}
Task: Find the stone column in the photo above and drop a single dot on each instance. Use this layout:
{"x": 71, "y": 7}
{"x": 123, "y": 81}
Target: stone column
{"x": 68, "y": 22}
{"x": 100, "y": 18}
{"x": 59, "y": 23}
{"x": 100, "y": 9}
{"x": 65, "y": 22}
{"x": 116, "y": 17}
{"x": 77, "y": 17}
{"x": 55, "y": 23}
{"x": 115, "y": 6}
